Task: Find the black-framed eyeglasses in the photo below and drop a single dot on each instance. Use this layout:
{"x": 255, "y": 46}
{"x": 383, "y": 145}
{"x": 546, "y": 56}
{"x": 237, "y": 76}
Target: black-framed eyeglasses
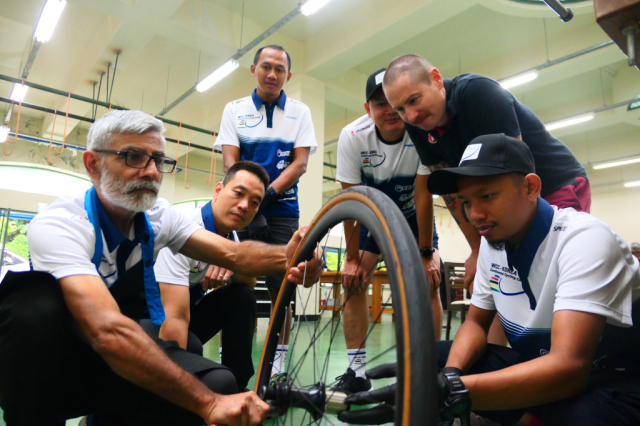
{"x": 140, "y": 160}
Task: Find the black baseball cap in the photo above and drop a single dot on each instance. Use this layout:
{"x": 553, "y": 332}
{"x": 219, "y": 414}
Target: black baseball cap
{"x": 374, "y": 82}
{"x": 486, "y": 155}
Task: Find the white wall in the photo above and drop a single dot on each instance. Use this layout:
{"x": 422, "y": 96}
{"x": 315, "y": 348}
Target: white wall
{"x": 16, "y": 200}
{"x": 620, "y": 211}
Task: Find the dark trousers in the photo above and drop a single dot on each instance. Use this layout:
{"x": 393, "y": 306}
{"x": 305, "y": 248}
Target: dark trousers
{"x": 281, "y": 229}
{"x": 612, "y": 398}
{"x": 48, "y": 372}
{"x": 232, "y": 310}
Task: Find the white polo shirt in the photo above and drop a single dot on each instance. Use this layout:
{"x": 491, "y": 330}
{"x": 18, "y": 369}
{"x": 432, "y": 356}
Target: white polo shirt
{"x": 364, "y": 158}
{"x": 267, "y": 135}
{"x": 178, "y": 269}
{"x": 62, "y": 240}
{"x": 575, "y": 261}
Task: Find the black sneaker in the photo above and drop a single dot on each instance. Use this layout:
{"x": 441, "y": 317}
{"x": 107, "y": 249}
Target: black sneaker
{"x": 349, "y": 383}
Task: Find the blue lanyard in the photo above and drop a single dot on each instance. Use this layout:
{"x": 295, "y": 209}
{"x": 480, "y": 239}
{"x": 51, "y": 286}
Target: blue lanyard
{"x": 207, "y": 217}
{"x": 151, "y": 289}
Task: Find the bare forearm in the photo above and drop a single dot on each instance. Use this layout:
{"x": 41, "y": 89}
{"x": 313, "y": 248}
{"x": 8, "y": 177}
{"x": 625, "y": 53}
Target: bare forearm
{"x": 289, "y": 176}
{"x": 468, "y": 346}
{"x": 424, "y": 214}
{"x": 175, "y": 329}
{"x": 255, "y": 259}
{"x": 352, "y": 238}
{"x": 540, "y": 381}
{"x": 251, "y": 258}
{"x": 134, "y": 356}
{"x": 470, "y": 233}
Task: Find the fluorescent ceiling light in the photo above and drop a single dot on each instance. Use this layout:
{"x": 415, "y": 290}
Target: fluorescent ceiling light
{"x": 635, "y": 104}
{"x": 4, "y": 134}
{"x": 518, "y": 80}
{"x": 18, "y": 92}
{"x": 226, "y": 69}
{"x": 632, "y": 183}
{"x": 569, "y": 121}
{"x": 616, "y": 163}
{"x": 312, "y": 6}
{"x": 49, "y": 19}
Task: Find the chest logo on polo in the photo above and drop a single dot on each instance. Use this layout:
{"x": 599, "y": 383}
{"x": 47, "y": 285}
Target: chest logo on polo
{"x": 281, "y": 153}
{"x": 494, "y": 283}
{"x": 282, "y": 164}
{"x": 197, "y": 268}
{"x": 432, "y": 139}
{"x": 512, "y": 286}
{"x": 249, "y": 120}
{"x": 372, "y": 158}
{"x": 400, "y": 188}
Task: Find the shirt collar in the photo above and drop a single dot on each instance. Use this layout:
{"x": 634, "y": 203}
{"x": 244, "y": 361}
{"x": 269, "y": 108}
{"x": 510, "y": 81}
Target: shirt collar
{"x": 448, "y": 87}
{"x": 112, "y": 234}
{"x": 522, "y": 257}
{"x": 257, "y": 101}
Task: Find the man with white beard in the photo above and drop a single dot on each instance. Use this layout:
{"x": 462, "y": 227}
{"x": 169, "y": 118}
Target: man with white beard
{"x": 71, "y": 342}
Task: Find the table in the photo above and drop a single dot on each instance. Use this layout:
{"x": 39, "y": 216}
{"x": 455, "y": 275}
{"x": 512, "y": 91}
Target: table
{"x": 376, "y": 310}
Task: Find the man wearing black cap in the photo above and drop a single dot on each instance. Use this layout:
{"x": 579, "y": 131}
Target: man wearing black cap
{"x": 376, "y": 151}
{"x": 566, "y": 289}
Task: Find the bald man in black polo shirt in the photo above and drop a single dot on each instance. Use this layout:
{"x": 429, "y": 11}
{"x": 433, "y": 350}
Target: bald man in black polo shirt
{"x": 443, "y": 115}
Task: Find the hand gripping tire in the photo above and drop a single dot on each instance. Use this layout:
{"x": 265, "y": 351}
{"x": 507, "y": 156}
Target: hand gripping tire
{"x": 416, "y": 393}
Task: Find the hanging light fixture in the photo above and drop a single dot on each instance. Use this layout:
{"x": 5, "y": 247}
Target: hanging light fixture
{"x": 518, "y": 80}
{"x": 49, "y": 19}
{"x": 616, "y": 163}
{"x": 569, "y": 121}
{"x": 213, "y": 78}
{"x": 4, "y": 134}
{"x": 312, "y": 6}
{"x": 18, "y": 92}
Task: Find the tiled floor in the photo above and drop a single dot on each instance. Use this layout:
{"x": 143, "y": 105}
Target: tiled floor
{"x": 380, "y": 339}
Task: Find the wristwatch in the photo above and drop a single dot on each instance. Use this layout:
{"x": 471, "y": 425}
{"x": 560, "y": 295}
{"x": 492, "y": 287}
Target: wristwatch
{"x": 458, "y": 402}
{"x": 427, "y": 252}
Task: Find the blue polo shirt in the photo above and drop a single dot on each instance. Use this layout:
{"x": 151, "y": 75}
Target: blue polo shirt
{"x": 267, "y": 133}
{"x": 479, "y": 106}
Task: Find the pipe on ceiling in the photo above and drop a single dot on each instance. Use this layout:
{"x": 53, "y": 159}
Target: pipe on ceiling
{"x": 239, "y": 54}
{"x": 99, "y": 103}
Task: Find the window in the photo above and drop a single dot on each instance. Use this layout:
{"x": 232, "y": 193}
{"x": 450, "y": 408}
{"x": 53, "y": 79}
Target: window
{"x": 42, "y": 180}
{"x": 187, "y": 206}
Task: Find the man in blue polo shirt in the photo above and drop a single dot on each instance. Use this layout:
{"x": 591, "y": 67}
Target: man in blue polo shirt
{"x": 443, "y": 115}
{"x": 277, "y": 133}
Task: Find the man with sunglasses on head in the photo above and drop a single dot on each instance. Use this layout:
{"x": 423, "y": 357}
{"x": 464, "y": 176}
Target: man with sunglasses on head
{"x": 71, "y": 342}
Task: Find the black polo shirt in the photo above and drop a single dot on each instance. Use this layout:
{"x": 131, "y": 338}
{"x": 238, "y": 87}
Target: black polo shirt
{"x": 478, "y": 106}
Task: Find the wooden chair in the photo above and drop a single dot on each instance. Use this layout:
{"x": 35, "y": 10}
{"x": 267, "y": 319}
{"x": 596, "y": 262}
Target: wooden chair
{"x": 454, "y": 280}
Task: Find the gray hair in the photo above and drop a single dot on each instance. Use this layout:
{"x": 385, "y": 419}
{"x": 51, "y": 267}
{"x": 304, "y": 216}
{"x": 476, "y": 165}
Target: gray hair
{"x": 121, "y": 121}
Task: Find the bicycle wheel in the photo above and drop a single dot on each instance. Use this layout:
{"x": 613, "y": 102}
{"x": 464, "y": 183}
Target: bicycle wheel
{"x": 309, "y": 399}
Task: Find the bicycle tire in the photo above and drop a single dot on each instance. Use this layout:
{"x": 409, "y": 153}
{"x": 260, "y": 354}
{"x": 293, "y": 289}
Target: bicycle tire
{"x": 416, "y": 391}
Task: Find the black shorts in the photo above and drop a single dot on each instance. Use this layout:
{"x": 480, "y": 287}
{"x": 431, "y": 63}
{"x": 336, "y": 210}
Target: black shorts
{"x": 611, "y": 397}
{"x": 367, "y": 243}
